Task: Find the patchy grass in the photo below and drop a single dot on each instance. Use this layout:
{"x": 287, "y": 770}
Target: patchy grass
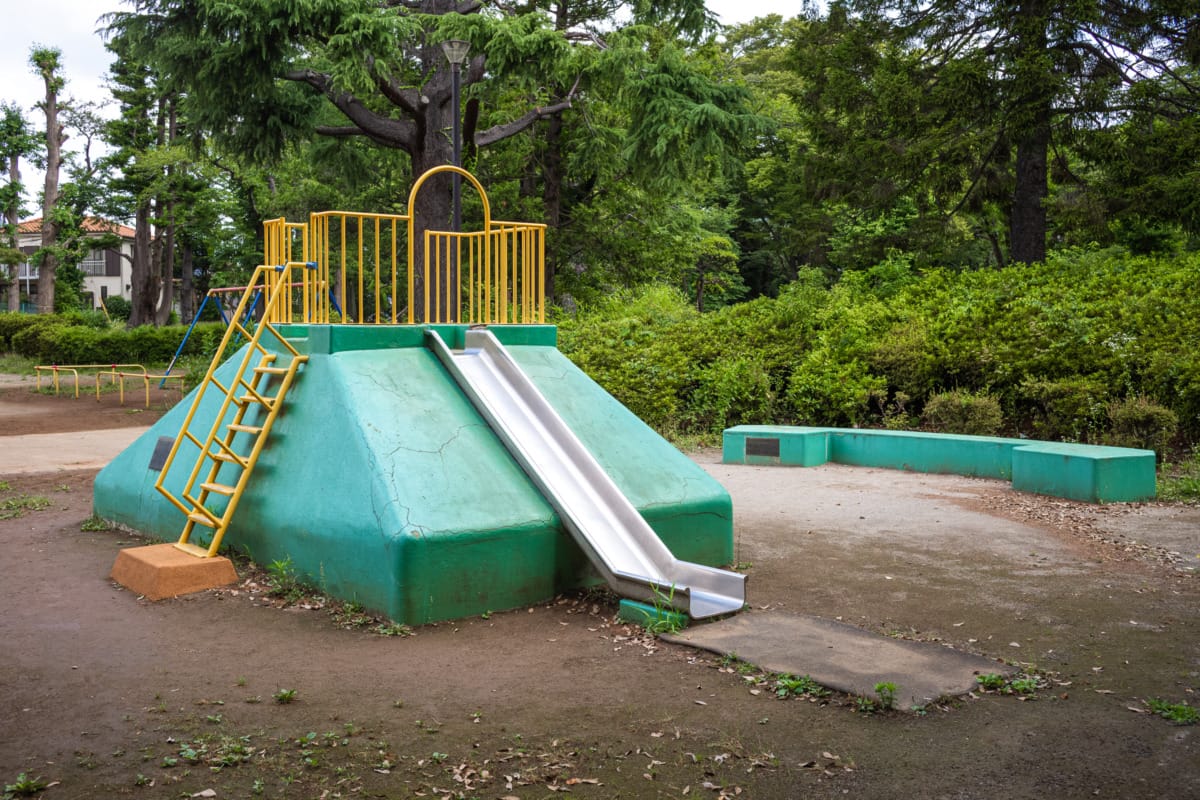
{"x": 1180, "y": 481}
{"x": 13, "y": 507}
{"x": 16, "y": 365}
{"x": 1178, "y": 713}
{"x": 24, "y": 786}
{"x": 1023, "y": 685}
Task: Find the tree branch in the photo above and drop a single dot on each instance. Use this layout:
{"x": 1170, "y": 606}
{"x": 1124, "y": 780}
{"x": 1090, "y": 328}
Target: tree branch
{"x": 404, "y": 99}
{"x": 401, "y": 134}
{"x": 499, "y": 132}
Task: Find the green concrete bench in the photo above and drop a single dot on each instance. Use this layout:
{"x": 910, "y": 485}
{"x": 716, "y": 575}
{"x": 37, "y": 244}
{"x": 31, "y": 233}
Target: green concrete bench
{"x": 1090, "y": 473}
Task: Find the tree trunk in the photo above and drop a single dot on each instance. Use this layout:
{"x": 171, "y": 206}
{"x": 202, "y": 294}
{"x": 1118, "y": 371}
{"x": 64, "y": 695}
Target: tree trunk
{"x": 12, "y": 216}
{"x": 432, "y": 211}
{"x": 167, "y": 265}
{"x": 552, "y": 182}
{"x": 164, "y": 209}
{"x": 1033, "y": 109}
{"x": 187, "y": 300}
{"x": 1028, "y": 220}
{"x": 144, "y": 278}
{"x": 55, "y": 137}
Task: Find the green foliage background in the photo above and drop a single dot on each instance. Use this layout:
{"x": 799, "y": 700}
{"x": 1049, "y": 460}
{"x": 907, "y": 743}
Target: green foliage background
{"x": 1060, "y": 345}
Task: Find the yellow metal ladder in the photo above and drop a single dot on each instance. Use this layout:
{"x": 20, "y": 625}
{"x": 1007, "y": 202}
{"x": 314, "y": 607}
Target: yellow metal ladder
{"x": 250, "y": 404}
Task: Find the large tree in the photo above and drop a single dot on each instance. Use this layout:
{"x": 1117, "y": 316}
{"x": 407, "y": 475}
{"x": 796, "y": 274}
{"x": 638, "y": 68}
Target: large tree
{"x": 1050, "y": 68}
{"x": 17, "y": 141}
{"x": 47, "y": 63}
{"x": 255, "y": 75}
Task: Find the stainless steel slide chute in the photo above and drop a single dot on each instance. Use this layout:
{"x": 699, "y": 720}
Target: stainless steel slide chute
{"x": 622, "y": 546}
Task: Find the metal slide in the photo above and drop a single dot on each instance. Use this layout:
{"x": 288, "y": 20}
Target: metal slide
{"x": 610, "y": 530}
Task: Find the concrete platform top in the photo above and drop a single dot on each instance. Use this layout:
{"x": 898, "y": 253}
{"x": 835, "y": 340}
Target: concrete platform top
{"x": 841, "y": 656}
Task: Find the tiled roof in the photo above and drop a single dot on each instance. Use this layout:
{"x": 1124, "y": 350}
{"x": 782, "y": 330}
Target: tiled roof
{"x": 90, "y": 224}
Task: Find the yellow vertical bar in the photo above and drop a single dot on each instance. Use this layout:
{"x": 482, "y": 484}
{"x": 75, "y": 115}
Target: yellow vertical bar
{"x": 342, "y": 271}
{"x": 326, "y": 278}
{"x": 410, "y": 248}
{"x": 426, "y": 274}
{"x": 541, "y": 257}
{"x": 455, "y": 287}
{"x": 378, "y": 288}
{"x": 362, "y": 296}
{"x": 526, "y": 277}
{"x": 395, "y": 261}
{"x": 502, "y": 287}
{"x": 471, "y": 284}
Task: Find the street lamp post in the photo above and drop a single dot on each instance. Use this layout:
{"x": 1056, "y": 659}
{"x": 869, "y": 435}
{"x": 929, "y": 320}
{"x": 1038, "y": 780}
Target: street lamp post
{"x": 456, "y": 53}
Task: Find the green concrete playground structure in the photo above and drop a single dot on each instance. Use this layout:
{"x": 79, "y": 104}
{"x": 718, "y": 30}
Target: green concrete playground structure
{"x": 1090, "y": 473}
{"x": 383, "y": 485}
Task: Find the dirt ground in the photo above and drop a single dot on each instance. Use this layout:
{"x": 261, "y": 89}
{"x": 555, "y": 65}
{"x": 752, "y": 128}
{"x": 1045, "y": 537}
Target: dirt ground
{"x": 106, "y": 695}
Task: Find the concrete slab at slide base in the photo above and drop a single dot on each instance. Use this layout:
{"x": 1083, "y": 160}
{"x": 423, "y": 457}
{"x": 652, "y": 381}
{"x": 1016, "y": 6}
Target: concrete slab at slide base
{"x": 383, "y": 485}
{"x": 1089, "y": 473}
{"x": 842, "y": 657}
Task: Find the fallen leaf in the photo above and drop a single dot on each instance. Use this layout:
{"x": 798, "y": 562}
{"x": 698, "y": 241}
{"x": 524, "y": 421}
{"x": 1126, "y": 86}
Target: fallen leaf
{"x": 206, "y": 793}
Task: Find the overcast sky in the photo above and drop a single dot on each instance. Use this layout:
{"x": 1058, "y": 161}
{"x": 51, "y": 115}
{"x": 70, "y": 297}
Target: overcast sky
{"x": 70, "y": 25}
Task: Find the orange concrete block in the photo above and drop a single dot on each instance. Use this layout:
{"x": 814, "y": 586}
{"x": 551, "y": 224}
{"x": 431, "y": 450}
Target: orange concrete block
{"x": 159, "y": 571}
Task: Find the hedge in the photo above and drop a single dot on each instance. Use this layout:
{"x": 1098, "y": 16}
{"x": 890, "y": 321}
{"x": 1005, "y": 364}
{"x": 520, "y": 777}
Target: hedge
{"x": 1062, "y": 348}
{"x": 54, "y": 339}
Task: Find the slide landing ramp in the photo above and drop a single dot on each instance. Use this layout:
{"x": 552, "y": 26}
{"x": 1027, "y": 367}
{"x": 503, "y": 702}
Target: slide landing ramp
{"x": 609, "y": 529}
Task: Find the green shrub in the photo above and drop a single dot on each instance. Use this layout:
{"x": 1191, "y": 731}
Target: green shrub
{"x": 1073, "y": 409}
{"x": 56, "y": 342}
{"x": 12, "y": 323}
{"x": 118, "y": 308}
{"x": 731, "y": 391}
{"x": 824, "y": 391}
{"x": 90, "y": 318}
{"x": 1140, "y": 422}
{"x": 964, "y": 412}
{"x": 37, "y": 341}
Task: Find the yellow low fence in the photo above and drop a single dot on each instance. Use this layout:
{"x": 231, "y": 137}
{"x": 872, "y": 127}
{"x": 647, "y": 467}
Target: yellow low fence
{"x": 367, "y": 268}
{"x": 116, "y": 374}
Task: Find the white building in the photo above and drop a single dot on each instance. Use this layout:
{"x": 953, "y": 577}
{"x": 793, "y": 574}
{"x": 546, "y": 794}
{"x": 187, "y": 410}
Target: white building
{"x": 107, "y": 272}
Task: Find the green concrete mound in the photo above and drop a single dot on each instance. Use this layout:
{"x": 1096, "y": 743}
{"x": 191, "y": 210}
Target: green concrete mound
{"x": 384, "y": 486}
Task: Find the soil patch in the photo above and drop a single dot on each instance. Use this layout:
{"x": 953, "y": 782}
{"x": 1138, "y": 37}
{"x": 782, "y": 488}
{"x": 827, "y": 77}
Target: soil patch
{"x": 25, "y": 410}
{"x": 104, "y": 694}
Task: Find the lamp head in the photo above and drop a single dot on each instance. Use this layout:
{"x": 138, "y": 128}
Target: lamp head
{"x": 455, "y": 50}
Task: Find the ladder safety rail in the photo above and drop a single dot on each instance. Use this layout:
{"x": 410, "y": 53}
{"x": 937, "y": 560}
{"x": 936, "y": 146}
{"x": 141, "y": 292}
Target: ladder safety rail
{"x": 246, "y": 393}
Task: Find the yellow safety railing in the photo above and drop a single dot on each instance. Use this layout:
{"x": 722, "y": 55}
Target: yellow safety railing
{"x": 375, "y": 270}
{"x": 116, "y": 374}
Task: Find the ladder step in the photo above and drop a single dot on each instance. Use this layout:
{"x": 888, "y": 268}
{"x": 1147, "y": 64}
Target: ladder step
{"x": 244, "y": 428}
{"x": 219, "y": 488}
{"x": 201, "y": 519}
{"x": 247, "y": 399}
{"x": 229, "y": 458}
{"x": 191, "y": 549}
{"x": 271, "y": 370}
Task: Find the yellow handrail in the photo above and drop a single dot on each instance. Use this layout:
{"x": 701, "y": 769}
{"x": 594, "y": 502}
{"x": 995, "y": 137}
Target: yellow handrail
{"x": 365, "y": 261}
{"x": 265, "y": 279}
